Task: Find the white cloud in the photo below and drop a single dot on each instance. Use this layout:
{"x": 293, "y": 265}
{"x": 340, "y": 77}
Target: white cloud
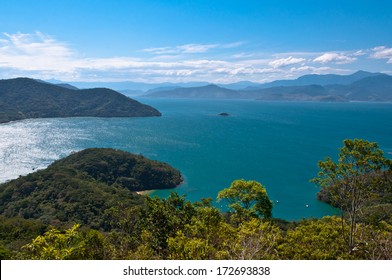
{"x": 233, "y": 45}
{"x": 162, "y": 50}
{"x": 196, "y": 48}
{"x": 286, "y": 61}
{"x": 359, "y": 53}
{"x": 191, "y": 48}
{"x": 334, "y": 58}
{"x": 41, "y": 56}
{"x": 34, "y": 52}
{"x": 187, "y": 48}
{"x": 382, "y": 52}
{"x": 318, "y": 70}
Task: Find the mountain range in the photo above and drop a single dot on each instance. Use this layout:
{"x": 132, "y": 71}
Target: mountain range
{"x": 360, "y": 86}
{"x": 23, "y": 98}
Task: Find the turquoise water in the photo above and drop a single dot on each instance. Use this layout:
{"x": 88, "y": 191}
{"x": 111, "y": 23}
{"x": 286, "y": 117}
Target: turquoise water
{"x": 275, "y": 143}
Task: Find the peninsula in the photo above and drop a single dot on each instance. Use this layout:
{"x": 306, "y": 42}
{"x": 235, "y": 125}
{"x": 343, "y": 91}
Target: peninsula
{"x": 24, "y": 98}
{"x": 82, "y": 186}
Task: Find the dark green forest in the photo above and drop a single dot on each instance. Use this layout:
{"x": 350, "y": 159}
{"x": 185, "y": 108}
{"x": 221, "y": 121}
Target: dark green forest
{"x": 86, "y": 206}
{"x": 24, "y": 98}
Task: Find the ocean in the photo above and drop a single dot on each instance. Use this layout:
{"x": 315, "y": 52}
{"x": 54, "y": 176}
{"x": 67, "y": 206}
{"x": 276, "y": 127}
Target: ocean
{"x": 275, "y": 143}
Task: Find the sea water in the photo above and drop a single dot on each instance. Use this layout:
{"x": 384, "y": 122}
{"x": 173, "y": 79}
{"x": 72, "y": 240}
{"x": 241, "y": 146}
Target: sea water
{"x": 275, "y": 143}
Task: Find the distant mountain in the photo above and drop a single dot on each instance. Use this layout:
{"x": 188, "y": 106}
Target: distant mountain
{"x": 127, "y": 85}
{"x": 360, "y": 86}
{"x": 23, "y": 98}
{"x": 68, "y": 86}
{"x": 167, "y": 88}
{"x": 206, "y": 92}
{"x": 295, "y": 93}
{"x": 240, "y": 85}
{"x": 372, "y": 88}
{"x": 322, "y": 80}
{"x": 131, "y": 92}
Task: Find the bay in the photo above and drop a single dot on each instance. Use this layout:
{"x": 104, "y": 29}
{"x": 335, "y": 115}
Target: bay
{"x": 275, "y": 143}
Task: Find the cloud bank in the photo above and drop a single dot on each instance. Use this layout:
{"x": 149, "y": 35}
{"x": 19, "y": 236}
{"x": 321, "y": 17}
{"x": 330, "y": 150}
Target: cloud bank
{"x": 39, "y": 55}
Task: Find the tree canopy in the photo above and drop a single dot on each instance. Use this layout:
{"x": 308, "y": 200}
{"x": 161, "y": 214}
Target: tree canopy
{"x": 247, "y": 199}
{"x": 102, "y": 219}
{"x": 354, "y": 181}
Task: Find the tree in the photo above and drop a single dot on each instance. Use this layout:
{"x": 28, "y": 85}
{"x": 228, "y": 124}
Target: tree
{"x": 317, "y": 239}
{"x": 71, "y": 244}
{"x": 207, "y": 236}
{"x": 352, "y": 181}
{"x": 255, "y": 240}
{"x": 248, "y": 199}
{"x": 163, "y": 217}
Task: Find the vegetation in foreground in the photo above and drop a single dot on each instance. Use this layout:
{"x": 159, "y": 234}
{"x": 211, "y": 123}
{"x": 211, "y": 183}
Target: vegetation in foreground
{"x": 359, "y": 183}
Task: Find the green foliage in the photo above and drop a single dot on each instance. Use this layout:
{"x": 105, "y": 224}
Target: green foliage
{"x": 353, "y": 182}
{"x": 72, "y": 244}
{"x": 85, "y": 187}
{"x": 315, "y": 240}
{"x": 115, "y": 167}
{"x": 5, "y": 254}
{"x": 16, "y": 232}
{"x": 207, "y": 236}
{"x": 81, "y": 187}
{"x": 23, "y": 98}
{"x": 164, "y": 217}
{"x": 322, "y": 239}
{"x": 248, "y": 199}
{"x": 256, "y": 240}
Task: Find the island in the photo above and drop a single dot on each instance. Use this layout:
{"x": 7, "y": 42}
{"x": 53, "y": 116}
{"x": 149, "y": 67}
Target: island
{"x": 83, "y": 186}
{"x": 24, "y": 98}
{"x": 224, "y": 114}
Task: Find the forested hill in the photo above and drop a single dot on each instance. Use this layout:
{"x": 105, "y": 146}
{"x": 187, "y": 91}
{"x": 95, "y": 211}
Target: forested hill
{"x": 82, "y": 186}
{"x": 23, "y": 98}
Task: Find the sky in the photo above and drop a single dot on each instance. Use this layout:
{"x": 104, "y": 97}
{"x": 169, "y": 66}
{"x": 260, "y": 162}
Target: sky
{"x": 217, "y": 41}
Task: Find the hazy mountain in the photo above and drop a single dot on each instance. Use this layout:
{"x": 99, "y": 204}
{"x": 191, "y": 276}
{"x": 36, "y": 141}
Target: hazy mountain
{"x": 295, "y": 93}
{"x": 207, "y": 92}
{"x": 24, "y": 98}
{"x": 68, "y": 86}
{"x": 322, "y": 80}
{"x": 131, "y": 92}
{"x": 127, "y": 85}
{"x": 167, "y": 88}
{"x": 240, "y": 85}
{"x": 372, "y": 87}
{"x": 145, "y": 87}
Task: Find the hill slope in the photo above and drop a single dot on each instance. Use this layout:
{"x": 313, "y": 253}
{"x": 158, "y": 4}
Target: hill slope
{"x": 372, "y": 88}
{"x": 360, "y": 86}
{"x": 322, "y": 80}
{"x": 209, "y": 91}
{"x": 82, "y": 186}
{"x": 24, "y": 98}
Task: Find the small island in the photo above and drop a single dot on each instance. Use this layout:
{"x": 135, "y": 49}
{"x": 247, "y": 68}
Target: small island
{"x": 24, "y": 98}
{"x": 224, "y": 114}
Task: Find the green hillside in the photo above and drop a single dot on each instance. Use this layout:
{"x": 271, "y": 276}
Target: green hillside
{"x": 81, "y": 187}
{"x": 24, "y": 98}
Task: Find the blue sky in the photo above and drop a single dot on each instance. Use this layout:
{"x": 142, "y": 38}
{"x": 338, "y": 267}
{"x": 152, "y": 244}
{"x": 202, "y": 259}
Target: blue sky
{"x": 179, "y": 41}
